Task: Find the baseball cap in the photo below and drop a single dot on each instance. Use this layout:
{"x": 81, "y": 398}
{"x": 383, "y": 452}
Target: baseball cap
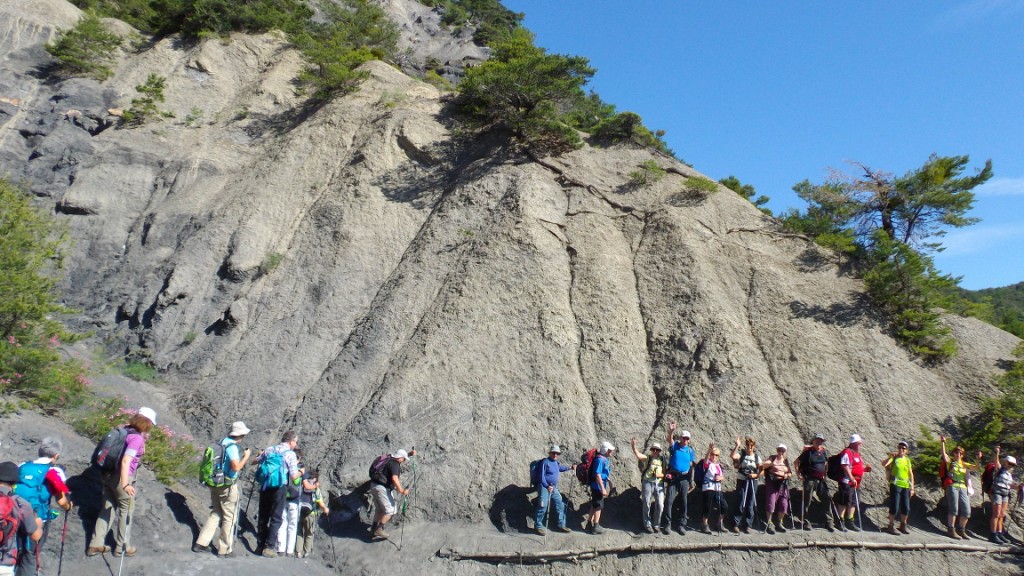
{"x": 554, "y": 448}
{"x": 904, "y": 444}
{"x": 819, "y": 437}
{"x": 855, "y": 438}
{"x": 148, "y": 413}
{"x": 1011, "y": 460}
{"x": 400, "y": 454}
{"x": 606, "y": 447}
{"x": 783, "y": 446}
{"x": 684, "y": 434}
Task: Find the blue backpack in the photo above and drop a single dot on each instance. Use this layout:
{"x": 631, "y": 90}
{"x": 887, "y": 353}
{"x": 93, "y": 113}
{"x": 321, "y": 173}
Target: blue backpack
{"x": 271, "y": 472}
{"x": 32, "y": 488}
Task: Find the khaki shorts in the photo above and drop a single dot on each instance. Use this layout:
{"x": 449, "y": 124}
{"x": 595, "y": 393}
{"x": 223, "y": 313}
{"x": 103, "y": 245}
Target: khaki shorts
{"x": 383, "y": 499}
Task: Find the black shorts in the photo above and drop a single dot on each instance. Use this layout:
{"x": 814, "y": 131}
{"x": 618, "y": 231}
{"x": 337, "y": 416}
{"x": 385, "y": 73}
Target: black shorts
{"x": 846, "y": 495}
{"x": 596, "y": 499}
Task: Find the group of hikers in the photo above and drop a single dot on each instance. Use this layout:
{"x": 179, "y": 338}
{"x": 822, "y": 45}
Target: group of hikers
{"x": 667, "y": 480}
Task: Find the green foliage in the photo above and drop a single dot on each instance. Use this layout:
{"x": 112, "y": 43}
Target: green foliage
{"x": 349, "y": 35}
{"x": 144, "y": 108}
{"x": 189, "y": 337}
{"x": 700, "y": 186}
{"x": 492, "y": 20}
{"x": 626, "y": 127}
{"x": 905, "y": 285}
{"x": 270, "y": 263}
{"x": 87, "y": 49}
{"x": 1003, "y": 307}
{"x": 194, "y": 116}
{"x": 747, "y": 191}
{"x": 648, "y": 173}
{"x": 437, "y": 81}
{"x": 32, "y": 371}
{"x": 522, "y": 89}
{"x": 138, "y": 370}
{"x": 200, "y": 18}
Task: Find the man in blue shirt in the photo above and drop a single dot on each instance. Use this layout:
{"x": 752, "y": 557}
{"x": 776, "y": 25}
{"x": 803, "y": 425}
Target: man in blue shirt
{"x": 600, "y": 485}
{"x": 679, "y": 478}
{"x": 224, "y": 499}
{"x": 547, "y": 491}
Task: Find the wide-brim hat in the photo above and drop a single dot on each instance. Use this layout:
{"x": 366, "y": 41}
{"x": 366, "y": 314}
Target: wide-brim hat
{"x": 655, "y": 446}
{"x": 8, "y": 472}
{"x": 555, "y": 449}
{"x": 238, "y": 429}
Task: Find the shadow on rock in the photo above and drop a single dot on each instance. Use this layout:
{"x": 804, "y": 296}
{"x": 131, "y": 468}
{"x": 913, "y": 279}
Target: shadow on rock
{"x": 87, "y": 496}
{"x": 842, "y": 314}
{"x": 511, "y": 508}
{"x": 182, "y": 513}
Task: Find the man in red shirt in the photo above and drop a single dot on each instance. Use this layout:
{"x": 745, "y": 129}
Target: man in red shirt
{"x": 849, "y": 486}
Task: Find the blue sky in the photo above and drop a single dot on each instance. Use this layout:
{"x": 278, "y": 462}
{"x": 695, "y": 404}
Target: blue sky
{"x": 776, "y": 92}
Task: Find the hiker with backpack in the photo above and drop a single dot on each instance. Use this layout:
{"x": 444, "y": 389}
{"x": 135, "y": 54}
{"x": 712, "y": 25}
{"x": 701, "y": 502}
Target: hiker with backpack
{"x": 118, "y": 457}
{"x": 385, "y": 480}
{"x": 652, "y": 474}
{"x": 1002, "y": 490}
{"x": 747, "y": 462}
{"x": 954, "y": 473}
{"x": 277, "y": 467}
{"x": 219, "y": 471}
{"x": 600, "y": 471}
{"x": 678, "y": 479}
{"x": 289, "y": 531}
{"x": 544, "y": 477}
{"x": 849, "y": 473}
{"x": 710, "y": 474}
{"x": 777, "y": 473}
{"x": 18, "y": 522}
{"x": 901, "y": 487}
{"x": 39, "y": 482}
{"x": 311, "y": 504}
{"x": 812, "y": 469}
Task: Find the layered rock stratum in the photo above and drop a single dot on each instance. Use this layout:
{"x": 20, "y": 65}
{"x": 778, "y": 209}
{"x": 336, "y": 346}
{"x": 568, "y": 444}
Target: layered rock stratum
{"x": 362, "y": 273}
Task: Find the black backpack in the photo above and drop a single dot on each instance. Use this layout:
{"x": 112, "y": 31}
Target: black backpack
{"x": 110, "y": 449}
{"x": 699, "y": 471}
{"x": 378, "y": 469}
{"x": 834, "y": 468}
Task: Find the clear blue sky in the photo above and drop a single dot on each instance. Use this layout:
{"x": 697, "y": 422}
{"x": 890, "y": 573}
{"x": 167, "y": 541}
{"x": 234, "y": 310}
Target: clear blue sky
{"x": 776, "y": 92}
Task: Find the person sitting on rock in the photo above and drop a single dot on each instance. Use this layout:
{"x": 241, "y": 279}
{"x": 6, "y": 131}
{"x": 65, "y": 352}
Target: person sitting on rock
{"x": 224, "y": 499}
{"x": 1002, "y": 490}
{"x": 678, "y": 479}
{"x": 776, "y": 472}
{"x": 30, "y": 527}
{"x": 652, "y": 487}
{"x": 40, "y": 481}
{"x": 854, "y": 469}
{"x": 812, "y": 468}
{"x": 600, "y": 485}
{"x": 747, "y": 462}
{"x": 382, "y": 489}
{"x": 901, "y": 487}
{"x": 547, "y": 491}
{"x": 958, "y": 500}
{"x": 711, "y": 488}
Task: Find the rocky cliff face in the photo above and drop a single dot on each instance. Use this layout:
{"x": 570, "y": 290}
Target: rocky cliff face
{"x": 351, "y": 272}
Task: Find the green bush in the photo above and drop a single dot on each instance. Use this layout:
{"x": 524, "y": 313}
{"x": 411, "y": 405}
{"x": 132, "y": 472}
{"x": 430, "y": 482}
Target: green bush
{"x": 521, "y": 89}
{"x": 138, "y": 370}
{"x": 629, "y": 127}
{"x": 492, "y": 20}
{"x": 437, "y": 81}
{"x": 32, "y": 371}
{"x": 648, "y": 173}
{"x": 270, "y": 263}
{"x": 87, "y": 49}
{"x": 700, "y": 186}
{"x": 144, "y": 108}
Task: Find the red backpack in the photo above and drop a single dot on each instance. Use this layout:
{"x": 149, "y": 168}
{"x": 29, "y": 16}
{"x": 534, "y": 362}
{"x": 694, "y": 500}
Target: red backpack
{"x": 8, "y": 523}
{"x": 584, "y": 467}
{"x": 988, "y": 477}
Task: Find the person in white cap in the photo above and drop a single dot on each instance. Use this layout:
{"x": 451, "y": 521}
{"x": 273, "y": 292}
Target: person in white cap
{"x": 1002, "y": 490}
{"x": 547, "y": 472}
{"x": 652, "y": 485}
{"x": 119, "y": 487}
{"x": 678, "y": 479}
{"x": 383, "y": 483}
{"x": 854, "y": 469}
{"x": 224, "y": 499}
{"x": 777, "y": 473}
{"x": 600, "y": 485}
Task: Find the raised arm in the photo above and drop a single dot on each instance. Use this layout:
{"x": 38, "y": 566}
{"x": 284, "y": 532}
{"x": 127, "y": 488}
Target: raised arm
{"x": 945, "y": 456}
{"x": 639, "y": 456}
{"x": 671, "y": 434}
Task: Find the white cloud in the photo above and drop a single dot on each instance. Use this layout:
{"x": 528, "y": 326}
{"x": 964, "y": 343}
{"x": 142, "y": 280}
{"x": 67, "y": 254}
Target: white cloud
{"x": 1002, "y": 187}
{"x": 980, "y": 239}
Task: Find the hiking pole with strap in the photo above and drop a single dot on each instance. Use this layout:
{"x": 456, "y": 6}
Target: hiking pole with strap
{"x": 789, "y": 506}
{"x": 249, "y": 501}
{"x": 127, "y": 533}
{"x": 237, "y": 521}
{"x": 753, "y": 503}
{"x": 803, "y": 509}
{"x": 856, "y": 503}
{"x": 63, "y": 537}
{"x": 405, "y": 502}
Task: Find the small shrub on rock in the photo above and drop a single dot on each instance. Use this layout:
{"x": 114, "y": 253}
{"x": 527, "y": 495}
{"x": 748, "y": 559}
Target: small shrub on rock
{"x": 144, "y": 108}
{"x": 87, "y": 49}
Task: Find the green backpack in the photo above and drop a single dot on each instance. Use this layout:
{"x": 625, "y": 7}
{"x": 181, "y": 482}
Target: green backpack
{"x": 213, "y": 468}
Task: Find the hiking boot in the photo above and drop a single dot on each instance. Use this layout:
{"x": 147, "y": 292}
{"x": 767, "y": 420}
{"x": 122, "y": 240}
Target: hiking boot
{"x": 649, "y": 529}
{"x": 541, "y": 531}
{"x": 890, "y": 529}
{"x": 852, "y": 525}
{"x": 904, "y": 529}
{"x": 704, "y": 528}
{"x": 952, "y": 533}
{"x": 94, "y": 550}
{"x": 996, "y": 539}
{"x": 807, "y": 526}
{"x": 780, "y": 528}
{"x": 963, "y": 533}
{"x": 380, "y": 534}
{"x": 746, "y": 529}
{"x": 563, "y": 529}
{"x": 129, "y": 551}
{"x": 664, "y": 530}
{"x": 681, "y": 529}
{"x": 771, "y": 529}
{"x": 199, "y": 548}
{"x": 735, "y": 529}
{"x": 230, "y": 554}
{"x": 271, "y": 553}
{"x": 841, "y": 527}
{"x": 598, "y": 529}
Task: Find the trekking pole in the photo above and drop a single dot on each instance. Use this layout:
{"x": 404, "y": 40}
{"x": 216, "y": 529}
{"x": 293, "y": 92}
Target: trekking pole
{"x": 249, "y": 501}
{"x": 238, "y": 520}
{"x": 856, "y": 502}
{"x": 753, "y": 503}
{"x": 803, "y": 509}
{"x": 63, "y": 536}
{"x": 743, "y": 502}
{"x": 405, "y": 502}
{"x": 127, "y": 533}
{"x": 789, "y": 506}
